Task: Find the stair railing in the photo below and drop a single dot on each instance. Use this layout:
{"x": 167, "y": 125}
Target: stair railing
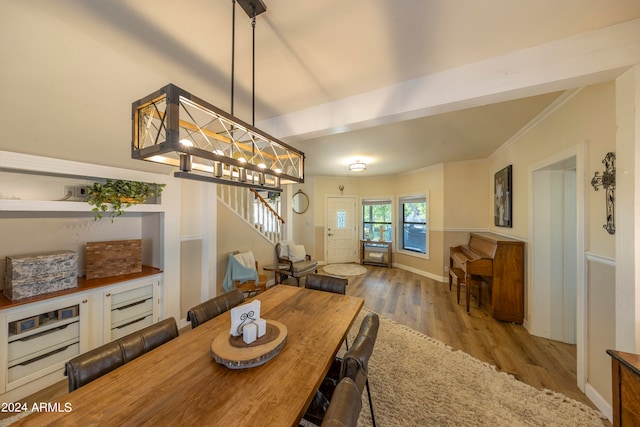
{"x": 249, "y": 205}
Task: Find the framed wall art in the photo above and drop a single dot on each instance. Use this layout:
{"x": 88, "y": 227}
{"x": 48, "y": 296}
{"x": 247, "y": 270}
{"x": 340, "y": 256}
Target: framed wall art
{"x": 503, "y": 195}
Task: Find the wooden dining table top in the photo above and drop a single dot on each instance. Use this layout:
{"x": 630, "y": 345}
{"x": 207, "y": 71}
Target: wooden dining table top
{"x": 179, "y": 383}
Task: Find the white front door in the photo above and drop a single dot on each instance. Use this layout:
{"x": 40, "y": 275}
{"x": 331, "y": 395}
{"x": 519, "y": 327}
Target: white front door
{"x": 342, "y": 236}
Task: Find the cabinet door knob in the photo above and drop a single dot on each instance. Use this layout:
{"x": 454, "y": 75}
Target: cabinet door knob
{"x": 84, "y": 301}
{"x": 109, "y": 294}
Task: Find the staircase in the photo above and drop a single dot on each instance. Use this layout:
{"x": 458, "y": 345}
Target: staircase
{"x": 255, "y": 208}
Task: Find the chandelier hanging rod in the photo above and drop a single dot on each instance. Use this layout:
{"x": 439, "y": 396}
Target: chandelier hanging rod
{"x": 252, "y": 7}
{"x": 173, "y": 127}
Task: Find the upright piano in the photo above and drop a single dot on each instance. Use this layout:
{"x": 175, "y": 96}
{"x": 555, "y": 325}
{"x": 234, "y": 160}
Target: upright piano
{"x": 499, "y": 261}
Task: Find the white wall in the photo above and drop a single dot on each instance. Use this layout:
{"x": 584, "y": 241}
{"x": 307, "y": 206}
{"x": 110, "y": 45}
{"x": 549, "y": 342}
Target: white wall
{"x": 627, "y": 219}
{"x": 587, "y": 117}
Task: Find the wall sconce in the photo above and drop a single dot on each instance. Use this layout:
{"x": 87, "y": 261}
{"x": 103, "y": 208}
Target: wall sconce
{"x": 173, "y": 127}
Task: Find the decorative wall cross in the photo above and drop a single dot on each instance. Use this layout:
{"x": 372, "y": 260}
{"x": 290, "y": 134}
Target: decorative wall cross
{"x": 608, "y": 181}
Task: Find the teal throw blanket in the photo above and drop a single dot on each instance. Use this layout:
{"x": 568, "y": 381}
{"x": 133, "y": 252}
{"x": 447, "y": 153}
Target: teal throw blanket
{"x": 237, "y": 271}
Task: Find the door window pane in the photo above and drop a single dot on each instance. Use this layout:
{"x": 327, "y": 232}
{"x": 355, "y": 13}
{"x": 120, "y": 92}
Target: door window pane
{"x": 341, "y": 219}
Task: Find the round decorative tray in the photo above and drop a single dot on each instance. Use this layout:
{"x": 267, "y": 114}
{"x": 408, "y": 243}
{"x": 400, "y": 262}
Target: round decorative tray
{"x": 234, "y": 353}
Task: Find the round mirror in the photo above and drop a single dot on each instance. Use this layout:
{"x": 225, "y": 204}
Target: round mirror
{"x": 300, "y": 202}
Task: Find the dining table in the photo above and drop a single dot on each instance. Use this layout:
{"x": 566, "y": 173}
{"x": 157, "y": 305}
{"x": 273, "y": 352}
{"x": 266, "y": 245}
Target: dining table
{"x": 180, "y": 383}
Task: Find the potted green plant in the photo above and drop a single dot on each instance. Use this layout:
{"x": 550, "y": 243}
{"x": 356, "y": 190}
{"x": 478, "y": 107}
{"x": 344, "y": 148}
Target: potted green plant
{"x": 117, "y": 195}
{"x": 273, "y": 196}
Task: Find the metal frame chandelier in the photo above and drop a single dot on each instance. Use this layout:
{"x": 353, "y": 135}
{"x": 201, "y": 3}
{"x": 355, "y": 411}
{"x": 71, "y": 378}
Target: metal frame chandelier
{"x": 173, "y": 127}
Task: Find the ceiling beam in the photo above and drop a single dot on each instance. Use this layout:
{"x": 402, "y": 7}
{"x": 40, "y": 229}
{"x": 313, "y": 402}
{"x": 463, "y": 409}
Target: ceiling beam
{"x": 584, "y": 59}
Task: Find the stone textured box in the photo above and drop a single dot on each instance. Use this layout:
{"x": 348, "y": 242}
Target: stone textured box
{"x": 113, "y": 258}
{"x": 25, "y": 266}
{"x": 31, "y": 275}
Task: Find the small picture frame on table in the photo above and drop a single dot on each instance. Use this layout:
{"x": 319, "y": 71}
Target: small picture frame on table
{"x": 503, "y": 196}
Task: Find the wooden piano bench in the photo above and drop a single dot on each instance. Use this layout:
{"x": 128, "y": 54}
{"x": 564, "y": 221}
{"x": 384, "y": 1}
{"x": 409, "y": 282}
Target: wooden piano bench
{"x": 460, "y": 277}
{"x": 456, "y": 274}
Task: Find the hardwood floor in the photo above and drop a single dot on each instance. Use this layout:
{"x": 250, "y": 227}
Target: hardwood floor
{"x": 429, "y": 307}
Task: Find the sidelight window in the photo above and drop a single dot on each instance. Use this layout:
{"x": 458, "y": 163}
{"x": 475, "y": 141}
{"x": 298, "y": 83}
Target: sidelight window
{"x": 413, "y": 233}
{"x": 376, "y": 220}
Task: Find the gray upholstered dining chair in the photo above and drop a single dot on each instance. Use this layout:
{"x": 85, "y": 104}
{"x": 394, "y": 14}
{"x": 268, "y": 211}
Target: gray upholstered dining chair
{"x": 336, "y": 285}
{"x": 214, "y": 307}
{"x": 101, "y": 360}
{"x": 354, "y": 365}
{"x": 355, "y": 361}
{"x": 333, "y": 284}
{"x": 344, "y": 408}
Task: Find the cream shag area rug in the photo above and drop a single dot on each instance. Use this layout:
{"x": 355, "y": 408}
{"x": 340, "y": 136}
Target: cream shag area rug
{"x": 13, "y": 419}
{"x": 344, "y": 269}
{"x": 416, "y": 380}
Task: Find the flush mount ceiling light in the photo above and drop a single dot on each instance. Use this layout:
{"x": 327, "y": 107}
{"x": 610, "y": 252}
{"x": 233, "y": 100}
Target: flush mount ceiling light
{"x": 358, "y": 166}
{"x": 173, "y": 127}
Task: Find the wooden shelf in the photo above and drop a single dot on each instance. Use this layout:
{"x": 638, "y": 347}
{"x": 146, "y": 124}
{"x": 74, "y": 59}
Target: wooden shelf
{"x": 83, "y": 285}
{"x": 64, "y": 206}
{"x": 58, "y": 173}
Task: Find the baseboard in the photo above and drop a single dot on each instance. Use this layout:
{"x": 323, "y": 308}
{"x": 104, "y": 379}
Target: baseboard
{"x": 599, "y": 401}
{"x": 422, "y": 273}
{"x": 184, "y": 324}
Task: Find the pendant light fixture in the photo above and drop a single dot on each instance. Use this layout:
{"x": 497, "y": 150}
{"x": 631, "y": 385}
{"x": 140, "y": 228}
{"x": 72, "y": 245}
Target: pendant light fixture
{"x": 173, "y": 127}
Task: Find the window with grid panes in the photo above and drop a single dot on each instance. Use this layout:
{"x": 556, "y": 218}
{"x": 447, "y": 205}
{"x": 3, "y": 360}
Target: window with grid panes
{"x": 413, "y": 233}
{"x": 377, "y": 220}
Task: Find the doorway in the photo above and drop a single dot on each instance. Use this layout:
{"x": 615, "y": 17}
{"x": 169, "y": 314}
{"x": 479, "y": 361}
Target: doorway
{"x": 556, "y": 290}
{"x": 341, "y": 235}
{"x": 553, "y": 286}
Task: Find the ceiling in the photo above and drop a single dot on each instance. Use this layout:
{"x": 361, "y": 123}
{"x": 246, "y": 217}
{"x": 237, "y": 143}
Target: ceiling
{"x": 307, "y": 54}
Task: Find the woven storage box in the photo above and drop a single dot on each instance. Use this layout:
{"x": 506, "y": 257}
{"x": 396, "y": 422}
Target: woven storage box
{"x": 113, "y": 258}
{"x": 31, "y": 275}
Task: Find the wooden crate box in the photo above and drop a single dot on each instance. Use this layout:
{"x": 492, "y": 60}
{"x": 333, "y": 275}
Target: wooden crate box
{"x": 113, "y": 258}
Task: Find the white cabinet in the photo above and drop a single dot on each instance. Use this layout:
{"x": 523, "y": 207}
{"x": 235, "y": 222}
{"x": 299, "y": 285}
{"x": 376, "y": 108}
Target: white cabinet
{"x": 131, "y": 307}
{"x": 39, "y": 339}
{"x": 34, "y": 218}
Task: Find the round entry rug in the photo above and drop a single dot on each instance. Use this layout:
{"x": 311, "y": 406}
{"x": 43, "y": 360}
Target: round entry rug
{"x": 344, "y": 269}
